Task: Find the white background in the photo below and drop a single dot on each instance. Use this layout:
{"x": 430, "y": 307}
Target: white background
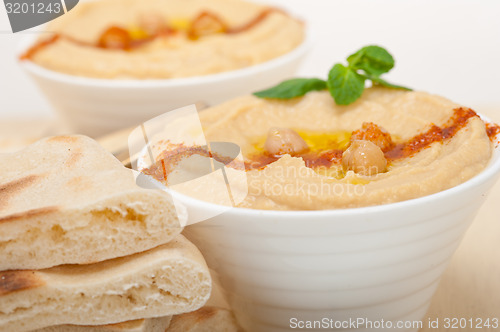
{"x": 447, "y": 47}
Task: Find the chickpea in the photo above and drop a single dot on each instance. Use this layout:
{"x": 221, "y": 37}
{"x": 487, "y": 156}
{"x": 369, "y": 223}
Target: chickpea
{"x": 206, "y": 24}
{"x": 364, "y": 157}
{"x": 115, "y": 38}
{"x": 375, "y": 134}
{"x": 152, "y": 23}
{"x": 284, "y": 141}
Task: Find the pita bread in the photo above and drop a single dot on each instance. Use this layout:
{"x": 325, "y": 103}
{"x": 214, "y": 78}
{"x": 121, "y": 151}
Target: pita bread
{"x": 167, "y": 280}
{"x": 206, "y": 319}
{"x": 216, "y": 315}
{"x": 66, "y": 200}
{"x": 159, "y": 324}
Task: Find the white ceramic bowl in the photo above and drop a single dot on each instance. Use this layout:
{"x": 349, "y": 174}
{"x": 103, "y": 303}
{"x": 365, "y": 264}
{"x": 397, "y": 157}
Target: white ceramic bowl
{"x": 98, "y": 106}
{"x": 374, "y": 263}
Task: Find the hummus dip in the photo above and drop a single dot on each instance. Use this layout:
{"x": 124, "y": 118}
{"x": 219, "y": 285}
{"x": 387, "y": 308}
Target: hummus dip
{"x": 418, "y": 143}
{"x": 165, "y": 39}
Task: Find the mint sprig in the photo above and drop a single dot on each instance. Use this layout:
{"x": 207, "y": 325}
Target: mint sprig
{"x": 345, "y": 83}
{"x": 295, "y": 87}
{"x": 378, "y": 81}
{"x": 374, "y": 60}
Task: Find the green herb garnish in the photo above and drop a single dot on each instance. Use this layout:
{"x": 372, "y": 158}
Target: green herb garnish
{"x": 345, "y": 83}
{"x": 295, "y": 87}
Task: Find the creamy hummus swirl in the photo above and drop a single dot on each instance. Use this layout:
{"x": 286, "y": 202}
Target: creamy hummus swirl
{"x": 288, "y": 184}
{"x": 171, "y": 55}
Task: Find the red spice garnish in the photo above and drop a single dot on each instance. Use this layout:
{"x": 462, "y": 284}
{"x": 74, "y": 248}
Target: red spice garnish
{"x": 206, "y": 23}
{"x": 434, "y": 134}
{"x": 261, "y": 17}
{"x": 112, "y": 38}
{"x": 260, "y": 161}
{"x": 375, "y": 134}
{"x": 492, "y": 130}
{"x": 175, "y": 153}
{"x": 172, "y": 156}
{"x": 119, "y": 38}
{"x": 41, "y": 44}
{"x": 324, "y": 159}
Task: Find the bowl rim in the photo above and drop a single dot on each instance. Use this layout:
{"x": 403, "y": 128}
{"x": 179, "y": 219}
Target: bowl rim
{"x": 298, "y": 52}
{"x": 491, "y": 171}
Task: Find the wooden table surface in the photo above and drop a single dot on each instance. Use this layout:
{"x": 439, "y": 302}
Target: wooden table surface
{"x": 470, "y": 287}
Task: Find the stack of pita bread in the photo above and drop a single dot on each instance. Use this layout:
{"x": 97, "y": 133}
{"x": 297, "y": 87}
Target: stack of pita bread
{"x": 82, "y": 244}
{"x": 215, "y": 316}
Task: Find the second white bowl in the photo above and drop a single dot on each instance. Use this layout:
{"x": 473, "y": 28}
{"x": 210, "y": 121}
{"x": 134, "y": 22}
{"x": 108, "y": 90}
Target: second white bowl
{"x": 98, "y": 106}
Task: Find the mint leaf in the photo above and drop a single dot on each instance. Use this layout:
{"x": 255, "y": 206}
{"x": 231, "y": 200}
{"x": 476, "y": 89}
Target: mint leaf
{"x": 295, "y": 87}
{"x": 379, "y": 81}
{"x": 345, "y": 85}
{"x": 374, "y": 60}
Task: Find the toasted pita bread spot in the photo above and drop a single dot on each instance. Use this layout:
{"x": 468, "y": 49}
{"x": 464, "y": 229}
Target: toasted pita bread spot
{"x": 63, "y": 139}
{"x": 29, "y": 214}
{"x": 74, "y": 158}
{"x": 13, "y": 187}
{"x": 13, "y": 281}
